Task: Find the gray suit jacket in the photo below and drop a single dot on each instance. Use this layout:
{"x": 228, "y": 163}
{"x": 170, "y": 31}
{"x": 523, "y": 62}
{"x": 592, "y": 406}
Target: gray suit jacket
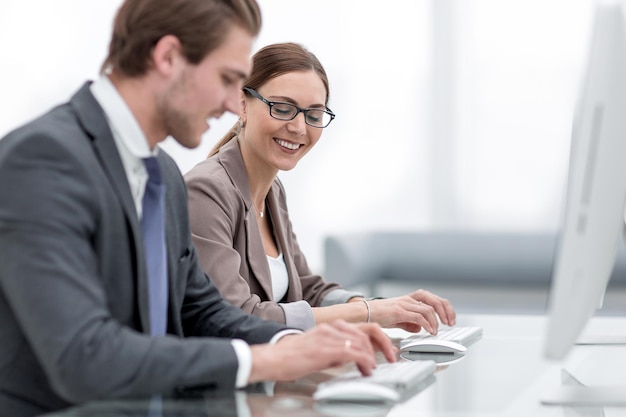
{"x": 223, "y": 223}
{"x": 73, "y": 295}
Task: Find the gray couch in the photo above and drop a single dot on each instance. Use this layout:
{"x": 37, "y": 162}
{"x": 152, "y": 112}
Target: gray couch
{"x": 456, "y": 258}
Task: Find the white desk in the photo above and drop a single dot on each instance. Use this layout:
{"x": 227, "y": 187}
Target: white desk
{"x": 503, "y": 374}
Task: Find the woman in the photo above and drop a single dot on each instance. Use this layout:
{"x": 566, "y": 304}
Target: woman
{"x": 238, "y": 212}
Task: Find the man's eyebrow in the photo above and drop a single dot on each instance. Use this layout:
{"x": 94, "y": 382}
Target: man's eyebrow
{"x": 236, "y": 73}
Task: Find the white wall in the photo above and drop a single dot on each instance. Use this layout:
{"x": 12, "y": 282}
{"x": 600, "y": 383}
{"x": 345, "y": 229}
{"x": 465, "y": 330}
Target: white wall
{"x": 451, "y": 113}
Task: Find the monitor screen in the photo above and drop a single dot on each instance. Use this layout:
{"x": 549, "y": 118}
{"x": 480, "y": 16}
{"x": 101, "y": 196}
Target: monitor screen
{"x": 593, "y": 218}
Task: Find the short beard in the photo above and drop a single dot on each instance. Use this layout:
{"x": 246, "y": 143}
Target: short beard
{"x": 175, "y": 121}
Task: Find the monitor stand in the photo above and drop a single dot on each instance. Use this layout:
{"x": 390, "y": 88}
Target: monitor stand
{"x": 602, "y": 339}
{"x": 598, "y": 396}
{"x": 573, "y": 393}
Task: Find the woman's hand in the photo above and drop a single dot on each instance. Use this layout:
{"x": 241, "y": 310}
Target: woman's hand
{"x": 412, "y": 312}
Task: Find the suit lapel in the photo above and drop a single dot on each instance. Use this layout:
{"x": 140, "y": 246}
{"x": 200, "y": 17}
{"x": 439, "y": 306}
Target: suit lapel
{"x": 92, "y": 118}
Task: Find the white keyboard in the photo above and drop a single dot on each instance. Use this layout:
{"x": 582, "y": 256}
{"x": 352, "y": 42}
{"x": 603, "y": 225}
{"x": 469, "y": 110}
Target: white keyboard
{"x": 447, "y": 340}
{"x": 389, "y": 382}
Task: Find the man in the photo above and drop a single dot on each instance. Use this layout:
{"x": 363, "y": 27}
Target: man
{"x": 76, "y": 292}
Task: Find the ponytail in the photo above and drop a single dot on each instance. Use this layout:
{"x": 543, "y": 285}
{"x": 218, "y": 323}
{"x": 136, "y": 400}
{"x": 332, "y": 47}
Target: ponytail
{"x": 232, "y": 133}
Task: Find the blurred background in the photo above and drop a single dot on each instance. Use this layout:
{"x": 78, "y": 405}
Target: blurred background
{"x": 451, "y": 114}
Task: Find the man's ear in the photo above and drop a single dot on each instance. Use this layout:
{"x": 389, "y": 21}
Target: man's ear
{"x": 166, "y": 54}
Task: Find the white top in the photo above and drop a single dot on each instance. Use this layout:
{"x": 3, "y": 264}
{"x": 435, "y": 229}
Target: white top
{"x": 280, "y": 278}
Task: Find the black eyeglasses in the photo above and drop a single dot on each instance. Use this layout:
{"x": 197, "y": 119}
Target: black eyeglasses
{"x": 287, "y": 111}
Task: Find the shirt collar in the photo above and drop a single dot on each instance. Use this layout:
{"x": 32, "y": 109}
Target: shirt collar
{"x": 121, "y": 119}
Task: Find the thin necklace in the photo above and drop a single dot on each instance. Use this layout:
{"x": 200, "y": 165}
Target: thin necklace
{"x": 255, "y": 207}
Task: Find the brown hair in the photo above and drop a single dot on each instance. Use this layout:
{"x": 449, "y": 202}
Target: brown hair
{"x": 200, "y": 25}
{"x": 270, "y": 62}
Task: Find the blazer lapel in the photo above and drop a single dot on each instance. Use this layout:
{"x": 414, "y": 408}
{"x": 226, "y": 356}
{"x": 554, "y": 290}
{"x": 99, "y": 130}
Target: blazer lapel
{"x": 280, "y": 222}
{"x": 231, "y": 160}
{"x": 92, "y": 118}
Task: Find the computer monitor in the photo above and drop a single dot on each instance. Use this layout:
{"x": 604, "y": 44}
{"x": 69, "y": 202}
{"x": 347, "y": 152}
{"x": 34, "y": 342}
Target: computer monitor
{"x": 593, "y": 219}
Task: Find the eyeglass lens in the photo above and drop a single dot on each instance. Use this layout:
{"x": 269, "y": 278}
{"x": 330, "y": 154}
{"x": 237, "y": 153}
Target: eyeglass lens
{"x": 313, "y": 117}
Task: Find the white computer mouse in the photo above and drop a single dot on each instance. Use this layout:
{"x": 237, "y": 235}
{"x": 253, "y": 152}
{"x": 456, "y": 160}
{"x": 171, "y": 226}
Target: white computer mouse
{"x": 431, "y": 346}
{"x": 356, "y": 392}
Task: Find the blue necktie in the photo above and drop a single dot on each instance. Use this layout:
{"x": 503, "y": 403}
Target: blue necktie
{"x": 153, "y": 226}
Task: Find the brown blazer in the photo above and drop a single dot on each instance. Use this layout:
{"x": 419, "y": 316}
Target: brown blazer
{"x": 227, "y": 238}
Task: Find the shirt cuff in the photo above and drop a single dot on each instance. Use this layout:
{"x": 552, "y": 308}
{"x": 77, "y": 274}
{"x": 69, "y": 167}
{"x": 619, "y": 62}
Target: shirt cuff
{"x": 283, "y": 333}
{"x": 244, "y": 358}
{"x": 339, "y": 296}
{"x": 298, "y": 314}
